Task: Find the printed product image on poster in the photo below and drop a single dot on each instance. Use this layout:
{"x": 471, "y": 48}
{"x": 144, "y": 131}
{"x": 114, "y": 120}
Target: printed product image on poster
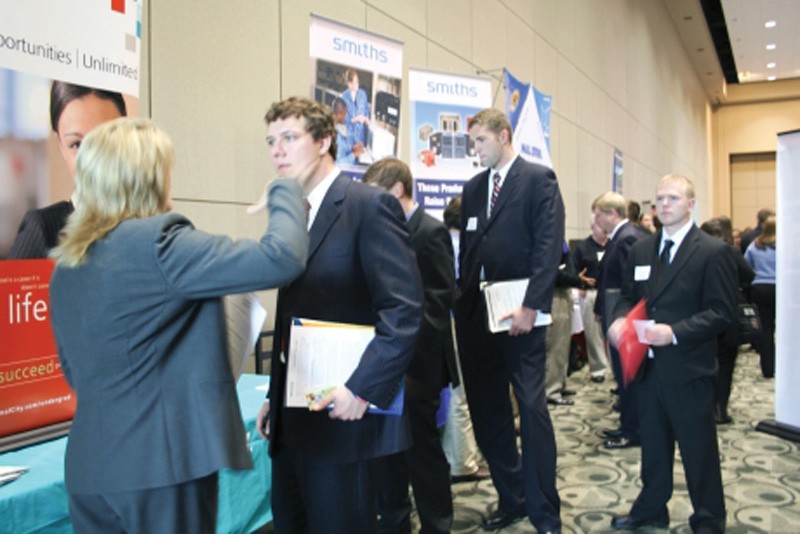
{"x": 367, "y": 111}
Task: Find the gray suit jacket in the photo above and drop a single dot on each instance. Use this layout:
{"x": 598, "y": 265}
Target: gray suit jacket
{"x": 141, "y": 338}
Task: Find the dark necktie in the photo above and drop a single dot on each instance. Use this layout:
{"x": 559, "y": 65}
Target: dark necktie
{"x": 665, "y": 253}
{"x": 307, "y": 205}
{"x": 663, "y": 259}
{"x": 495, "y": 191}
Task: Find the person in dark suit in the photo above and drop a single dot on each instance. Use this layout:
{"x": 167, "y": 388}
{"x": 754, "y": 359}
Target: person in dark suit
{"x": 610, "y": 211}
{"x": 137, "y": 317}
{"x": 432, "y": 367}
{"x": 586, "y": 262}
{"x": 686, "y": 277}
{"x": 74, "y": 111}
{"x": 512, "y": 227}
{"x": 361, "y": 269}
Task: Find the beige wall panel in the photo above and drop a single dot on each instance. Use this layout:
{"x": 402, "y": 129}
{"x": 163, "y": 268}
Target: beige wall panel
{"x": 488, "y": 17}
{"x": 591, "y": 19}
{"x": 546, "y": 75}
{"x": 523, "y": 10}
{"x": 615, "y": 123}
{"x": 554, "y": 21}
{"x": 568, "y": 177}
{"x": 589, "y": 105}
{"x": 521, "y": 57}
{"x": 444, "y": 60}
{"x": 408, "y": 13}
{"x": 450, "y": 25}
{"x": 566, "y": 104}
{"x": 210, "y": 93}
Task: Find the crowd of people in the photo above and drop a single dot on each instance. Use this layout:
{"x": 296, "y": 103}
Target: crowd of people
{"x": 153, "y": 378}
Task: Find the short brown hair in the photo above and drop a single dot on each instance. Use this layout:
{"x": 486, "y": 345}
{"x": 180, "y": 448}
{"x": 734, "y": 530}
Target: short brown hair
{"x": 388, "y": 171}
{"x": 319, "y": 118}
{"x": 493, "y": 119}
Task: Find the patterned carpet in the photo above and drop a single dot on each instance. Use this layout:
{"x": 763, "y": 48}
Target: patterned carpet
{"x": 761, "y": 472}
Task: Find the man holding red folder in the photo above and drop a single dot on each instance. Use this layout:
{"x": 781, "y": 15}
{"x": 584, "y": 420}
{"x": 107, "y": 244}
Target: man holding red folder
{"x": 684, "y": 277}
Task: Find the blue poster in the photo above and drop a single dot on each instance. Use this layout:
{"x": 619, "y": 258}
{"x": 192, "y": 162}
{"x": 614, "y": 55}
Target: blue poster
{"x": 528, "y": 111}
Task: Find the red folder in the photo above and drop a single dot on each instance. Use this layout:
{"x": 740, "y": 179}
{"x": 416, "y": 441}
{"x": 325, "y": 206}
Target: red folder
{"x": 631, "y": 351}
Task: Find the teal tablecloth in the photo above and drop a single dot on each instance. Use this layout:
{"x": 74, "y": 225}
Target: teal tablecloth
{"x": 37, "y": 501}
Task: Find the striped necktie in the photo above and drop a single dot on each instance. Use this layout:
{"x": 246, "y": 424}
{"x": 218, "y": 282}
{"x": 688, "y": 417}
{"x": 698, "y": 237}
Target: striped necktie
{"x": 495, "y": 191}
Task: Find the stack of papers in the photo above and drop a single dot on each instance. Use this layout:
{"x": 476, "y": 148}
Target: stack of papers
{"x": 11, "y": 473}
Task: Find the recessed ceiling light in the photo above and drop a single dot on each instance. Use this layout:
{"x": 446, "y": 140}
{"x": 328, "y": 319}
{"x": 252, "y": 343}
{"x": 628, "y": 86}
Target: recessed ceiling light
{"x": 771, "y": 65}
{"x": 771, "y": 46}
{"x": 770, "y": 24}
{"x": 770, "y": 78}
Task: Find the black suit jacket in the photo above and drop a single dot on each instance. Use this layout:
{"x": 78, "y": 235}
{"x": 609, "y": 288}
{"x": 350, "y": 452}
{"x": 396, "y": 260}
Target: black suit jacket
{"x": 434, "y": 362}
{"x": 612, "y": 266}
{"x": 693, "y": 295}
{"x": 522, "y": 239}
{"x": 361, "y": 270}
{"x": 39, "y": 229}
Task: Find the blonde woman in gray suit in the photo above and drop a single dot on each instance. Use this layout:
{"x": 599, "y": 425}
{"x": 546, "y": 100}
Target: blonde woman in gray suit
{"x": 138, "y": 320}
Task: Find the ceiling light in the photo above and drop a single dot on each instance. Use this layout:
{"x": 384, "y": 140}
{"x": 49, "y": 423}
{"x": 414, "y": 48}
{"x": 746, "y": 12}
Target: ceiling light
{"x": 771, "y": 65}
{"x": 771, "y": 78}
{"x": 772, "y": 46}
{"x": 770, "y": 24}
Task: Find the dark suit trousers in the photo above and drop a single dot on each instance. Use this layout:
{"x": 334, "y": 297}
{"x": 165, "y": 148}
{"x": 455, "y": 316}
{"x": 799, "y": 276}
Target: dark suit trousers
{"x": 187, "y": 507}
{"x": 684, "y": 413}
{"x": 763, "y": 295}
{"x": 489, "y": 363}
{"x": 424, "y": 465}
{"x": 628, "y": 399}
{"x": 305, "y": 498}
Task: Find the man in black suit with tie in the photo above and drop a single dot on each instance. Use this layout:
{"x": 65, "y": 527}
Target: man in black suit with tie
{"x": 360, "y": 270}
{"x": 610, "y": 214}
{"x": 685, "y": 276}
{"x": 431, "y": 368}
{"x": 512, "y": 227}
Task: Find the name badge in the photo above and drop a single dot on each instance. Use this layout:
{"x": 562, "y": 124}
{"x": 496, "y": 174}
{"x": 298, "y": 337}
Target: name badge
{"x": 472, "y": 224}
{"x": 641, "y": 273}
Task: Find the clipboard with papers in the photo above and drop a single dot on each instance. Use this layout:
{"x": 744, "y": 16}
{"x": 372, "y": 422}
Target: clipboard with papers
{"x": 323, "y": 355}
{"x": 504, "y": 297}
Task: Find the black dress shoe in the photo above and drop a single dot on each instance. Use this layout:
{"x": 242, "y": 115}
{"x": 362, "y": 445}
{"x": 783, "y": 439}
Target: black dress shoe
{"x": 567, "y": 392}
{"x": 481, "y": 474}
{"x": 627, "y": 522}
{"x": 621, "y": 442}
{"x": 501, "y": 519}
{"x": 560, "y": 401}
{"x": 599, "y": 379}
{"x": 612, "y": 432}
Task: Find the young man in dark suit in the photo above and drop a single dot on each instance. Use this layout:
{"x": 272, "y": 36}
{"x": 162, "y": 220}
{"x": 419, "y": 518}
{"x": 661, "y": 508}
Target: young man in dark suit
{"x": 685, "y": 275}
{"x": 360, "y": 270}
{"x": 431, "y": 368}
{"x": 512, "y": 227}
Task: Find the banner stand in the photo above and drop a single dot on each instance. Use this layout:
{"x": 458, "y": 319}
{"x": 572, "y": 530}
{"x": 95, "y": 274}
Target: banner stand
{"x": 31, "y": 437}
{"x": 781, "y": 430}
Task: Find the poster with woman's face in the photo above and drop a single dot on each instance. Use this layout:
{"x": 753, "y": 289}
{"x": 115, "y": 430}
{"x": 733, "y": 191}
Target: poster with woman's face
{"x": 41, "y": 129}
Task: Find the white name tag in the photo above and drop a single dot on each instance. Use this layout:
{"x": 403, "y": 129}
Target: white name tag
{"x": 641, "y": 273}
{"x": 472, "y": 224}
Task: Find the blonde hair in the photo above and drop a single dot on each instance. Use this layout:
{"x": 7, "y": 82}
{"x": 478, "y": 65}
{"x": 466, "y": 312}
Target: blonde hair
{"x": 611, "y": 202}
{"x": 122, "y": 172}
{"x": 673, "y": 179}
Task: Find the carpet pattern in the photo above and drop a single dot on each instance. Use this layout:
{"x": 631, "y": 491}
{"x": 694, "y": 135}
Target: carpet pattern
{"x": 761, "y": 473}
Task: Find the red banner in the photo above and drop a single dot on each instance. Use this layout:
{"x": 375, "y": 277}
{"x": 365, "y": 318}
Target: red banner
{"x": 33, "y": 391}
